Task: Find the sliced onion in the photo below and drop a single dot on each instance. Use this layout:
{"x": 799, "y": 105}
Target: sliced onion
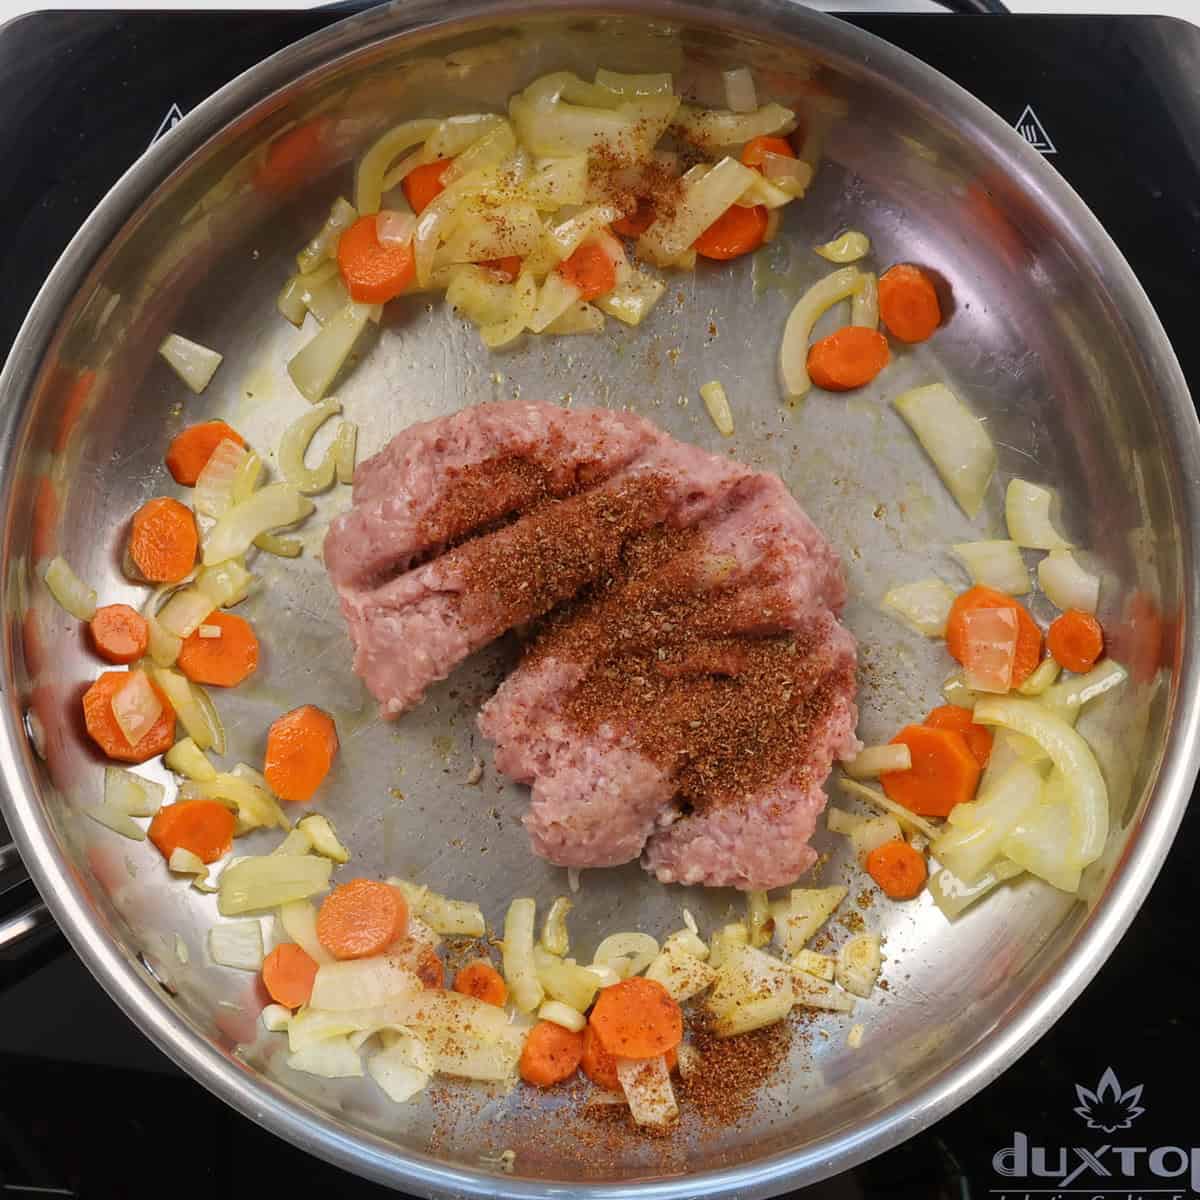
{"x": 924, "y": 605}
{"x": 858, "y": 964}
{"x": 813, "y": 992}
{"x": 136, "y": 707}
{"x": 324, "y": 838}
{"x": 730, "y": 937}
{"x": 955, "y": 440}
{"x": 740, "y": 93}
{"x": 1027, "y": 512}
{"x": 212, "y": 719}
{"x": 182, "y": 696}
{"x": 562, "y": 1014}
{"x": 752, "y": 990}
{"x": 846, "y": 248}
{"x": 501, "y": 333}
{"x": 395, "y": 228}
{"x": 633, "y": 298}
{"x": 131, "y": 794}
{"x": 325, "y": 294}
{"x": 839, "y": 821}
{"x": 871, "y": 761}
{"x": 487, "y": 231}
{"x": 557, "y": 182}
{"x": 704, "y": 199}
{"x": 627, "y": 953}
{"x": 581, "y": 317}
{"x": 373, "y": 166}
{"x": 758, "y": 918}
{"x": 569, "y": 235}
{"x": 299, "y": 921}
{"x": 1044, "y": 841}
{"x": 570, "y": 983}
{"x": 1065, "y": 699}
{"x": 290, "y": 301}
{"x": 520, "y": 972}
{"x": 864, "y": 304}
{"x": 820, "y": 966}
{"x": 275, "y": 1018}
{"x": 275, "y": 506}
{"x": 296, "y": 842}
{"x": 455, "y": 918}
{"x": 213, "y": 494}
{"x": 872, "y": 833}
{"x": 185, "y": 612}
{"x": 1044, "y": 675}
{"x": 713, "y": 129}
{"x": 361, "y": 983}
{"x": 806, "y": 911}
{"x": 555, "y": 297}
{"x": 793, "y": 352}
{"x": 554, "y": 937}
{"x": 324, "y": 245}
{"x": 773, "y": 196}
{"x": 163, "y": 648}
{"x": 345, "y": 449}
{"x": 403, "y": 1068}
{"x": 954, "y": 897}
{"x": 314, "y": 368}
{"x": 646, "y": 1083}
{"x": 1066, "y": 584}
{"x": 239, "y": 945}
{"x": 281, "y": 547}
{"x": 990, "y": 649}
{"x": 791, "y": 175}
{"x": 193, "y": 363}
{"x": 883, "y": 802}
{"x": 271, "y": 880}
{"x": 187, "y": 759}
{"x": 334, "y": 1058}
{"x": 996, "y": 564}
{"x": 294, "y": 444}
{"x": 684, "y": 975}
{"x": 717, "y": 403}
{"x": 117, "y": 821}
{"x": 72, "y": 594}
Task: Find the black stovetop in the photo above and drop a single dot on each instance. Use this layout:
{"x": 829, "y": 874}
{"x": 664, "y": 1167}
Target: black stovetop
{"x": 88, "y": 1107}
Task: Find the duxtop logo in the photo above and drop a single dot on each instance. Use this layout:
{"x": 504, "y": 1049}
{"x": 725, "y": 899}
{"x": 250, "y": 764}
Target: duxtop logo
{"x": 1100, "y": 1172}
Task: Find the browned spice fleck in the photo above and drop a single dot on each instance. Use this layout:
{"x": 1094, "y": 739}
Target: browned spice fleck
{"x": 724, "y": 1090}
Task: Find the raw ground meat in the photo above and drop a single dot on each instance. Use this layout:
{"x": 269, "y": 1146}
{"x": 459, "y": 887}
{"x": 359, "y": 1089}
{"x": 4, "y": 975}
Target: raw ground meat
{"x": 685, "y": 684}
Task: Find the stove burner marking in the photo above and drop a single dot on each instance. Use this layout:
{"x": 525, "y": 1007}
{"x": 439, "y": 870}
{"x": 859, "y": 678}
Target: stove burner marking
{"x": 173, "y": 117}
{"x": 1030, "y": 127}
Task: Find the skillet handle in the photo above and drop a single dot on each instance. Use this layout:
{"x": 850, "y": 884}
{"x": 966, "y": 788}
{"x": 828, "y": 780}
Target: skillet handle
{"x": 28, "y": 918}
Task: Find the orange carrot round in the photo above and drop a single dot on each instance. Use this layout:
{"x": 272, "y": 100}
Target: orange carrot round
{"x": 481, "y": 980}
{"x": 978, "y": 737}
{"x": 636, "y": 223}
{"x": 190, "y": 450}
{"x": 508, "y": 268}
{"x": 598, "y": 1065}
{"x": 106, "y": 733}
{"x": 424, "y": 184}
{"x": 637, "y": 1018}
{"x": 590, "y": 269}
{"x": 944, "y": 772}
{"x": 373, "y": 273}
{"x": 300, "y": 749}
{"x": 898, "y": 869}
{"x": 1029, "y": 636}
{"x": 550, "y": 1055}
{"x": 1076, "y": 640}
{"x": 221, "y": 661}
{"x": 735, "y": 232}
{"x": 163, "y": 540}
{"x": 908, "y": 303}
{"x": 202, "y": 826}
{"x": 847, "y": 359}
{"x": 361, "y": 918}
{"x": 755, "y": 151}
{"x": 288, "y": 974}
{"x": 119, "y": 633}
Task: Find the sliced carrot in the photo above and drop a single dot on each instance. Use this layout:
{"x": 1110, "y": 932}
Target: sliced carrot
{"x": 481, "y": 980}
{"x": 551, "y": 1054}
{"x": 222, "y": 661}
{"x": 288, "y": 974}
{"x": 898, "y": 869}
{"x": 202, "y": 826}
{"x": 190, "y": 450}
{"x": 119, "y": 633}
{"x": 163, "y": 540}
{"x": 637, "y": 1018}
{"x": 755, "y": 151}
{"x": 508, "y": 268}
{"x": 636, "y": 223}
{"x": 300, "y": 749}
{"x": 944, "y": 772}
{"x": 601, "y": 1067}
{"x": 361, "y": 918}
{"x": 1029, "y": 636}
{"x": 424, "y": 184}
{"x": 908, "y": 303}
{"x": 106, "y": 733}
{"x": 373, "y": 273}
{"x": 978, "y": 737}
{"x": 1076, "y": 640}
{"x": 849, "y": 358}
{"x": 293, "y": 156}
{"x": 735, "y": 232}
{"x": 591, "y": 270}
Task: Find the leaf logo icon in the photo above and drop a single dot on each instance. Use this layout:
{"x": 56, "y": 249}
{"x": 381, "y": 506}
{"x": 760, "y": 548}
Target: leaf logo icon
{"x": 1109, "y": 1108}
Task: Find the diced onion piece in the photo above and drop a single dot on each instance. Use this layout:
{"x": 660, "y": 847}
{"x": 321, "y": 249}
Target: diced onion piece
{"x": 570, "y": 983}
{"x": 846, "y": 248}
{"x": 237, "y": 945}
{"x": 117, "y": 821}
{"x": 294, "y": 444}
{"x": 771, "y": 195}
{"x": 1072, "y": 757}
{"x": 554, "y": 937}
{"x": 704, "y": 199}
{"x": 714, "y": 129}
{"x": 807, "y": 910}
{"x": 555, "y": 297}
{"x": 954, "y": 897}
{"x": 627, "y": 953}
{"x": 954, "y": 439}
{"x": 163, "y": 648}
{"x": 323, "y": 837}
{"x": 325, "y": 294}
{"x": 275, "y": 1018}
{"x": 333, "y": 1058}
{"x": 793, "y": 351}
{"x": 728, "y": 938}
{"x": 924, "y": 605}
{"x": 864, "y": 304}
{"x": 872, "y": 833}
{"x": 520, "y": 973}
{"x": 485, "y": 231}
{"x": 758, "y": 918}
{"x": 403, "y": 1068}
{"x": 324, "y": 245}
{"x": 691, "y": 1061}
{"x": 646, "y": 1083}
{"x": 247, "y": 478}
{"x": 1066, "y": 584}
{"x": 281, "y": 547}
{"x": 858, "y": 964}
{"x": 688, "y": 941}
{"x": 361, "y": 983}
{"x": 136, "y": 707}
{"x": 956, "y": 692}
{"x": 634, "y": 296}
{"x": 181, "y": 694}
{"x": 683, "y": 974}
{"x": 270, "y": 880}
{"x": 193, "y": 363}
{"x": 290, "y": 301}
{"x": 185, "y": 612}
{"x": 1027, "y": 514}
{"x": 212, "y": 719}
{"x": 908, "y": 820}
{"x": 213, "y": 493}
{"x": 273, "y": 507}
{"x": 740, "y": 93}
{"x": 501, "y": 333}
{"x": 345, "y": 449}
{"x": 871, "y": 761}
{"x": 1065, "y": 699}
{"x": 295, "y": 842}
{"x": 990, "y": 638}
{"x": 455, "y": 918}
{"x": 562, "y": 1014}
{"x": 479, "y": 295}
{"x": 72, "y": 594}
{"x": 395, "y": 228}
{"x": 1044, "y": 675}
{"x": 790, "y": 175}
{"x": 244, "y": 791}
{"x": 131, "y": 794}
{"x": 838, "y": 820}
{"x": 299, "y": 921}
{"x": 820, "y": 966}
{"x": 717, "y": 403}
{"x": 812, "y": 992}
{"x": 1043, "y": 840}
{"x": 752, "y": 990}
{"x": 557, "y": 182}
{"x": 316, "y": 365}
{"x": 996, "y": 564}
{"x": 226, "y": 583}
